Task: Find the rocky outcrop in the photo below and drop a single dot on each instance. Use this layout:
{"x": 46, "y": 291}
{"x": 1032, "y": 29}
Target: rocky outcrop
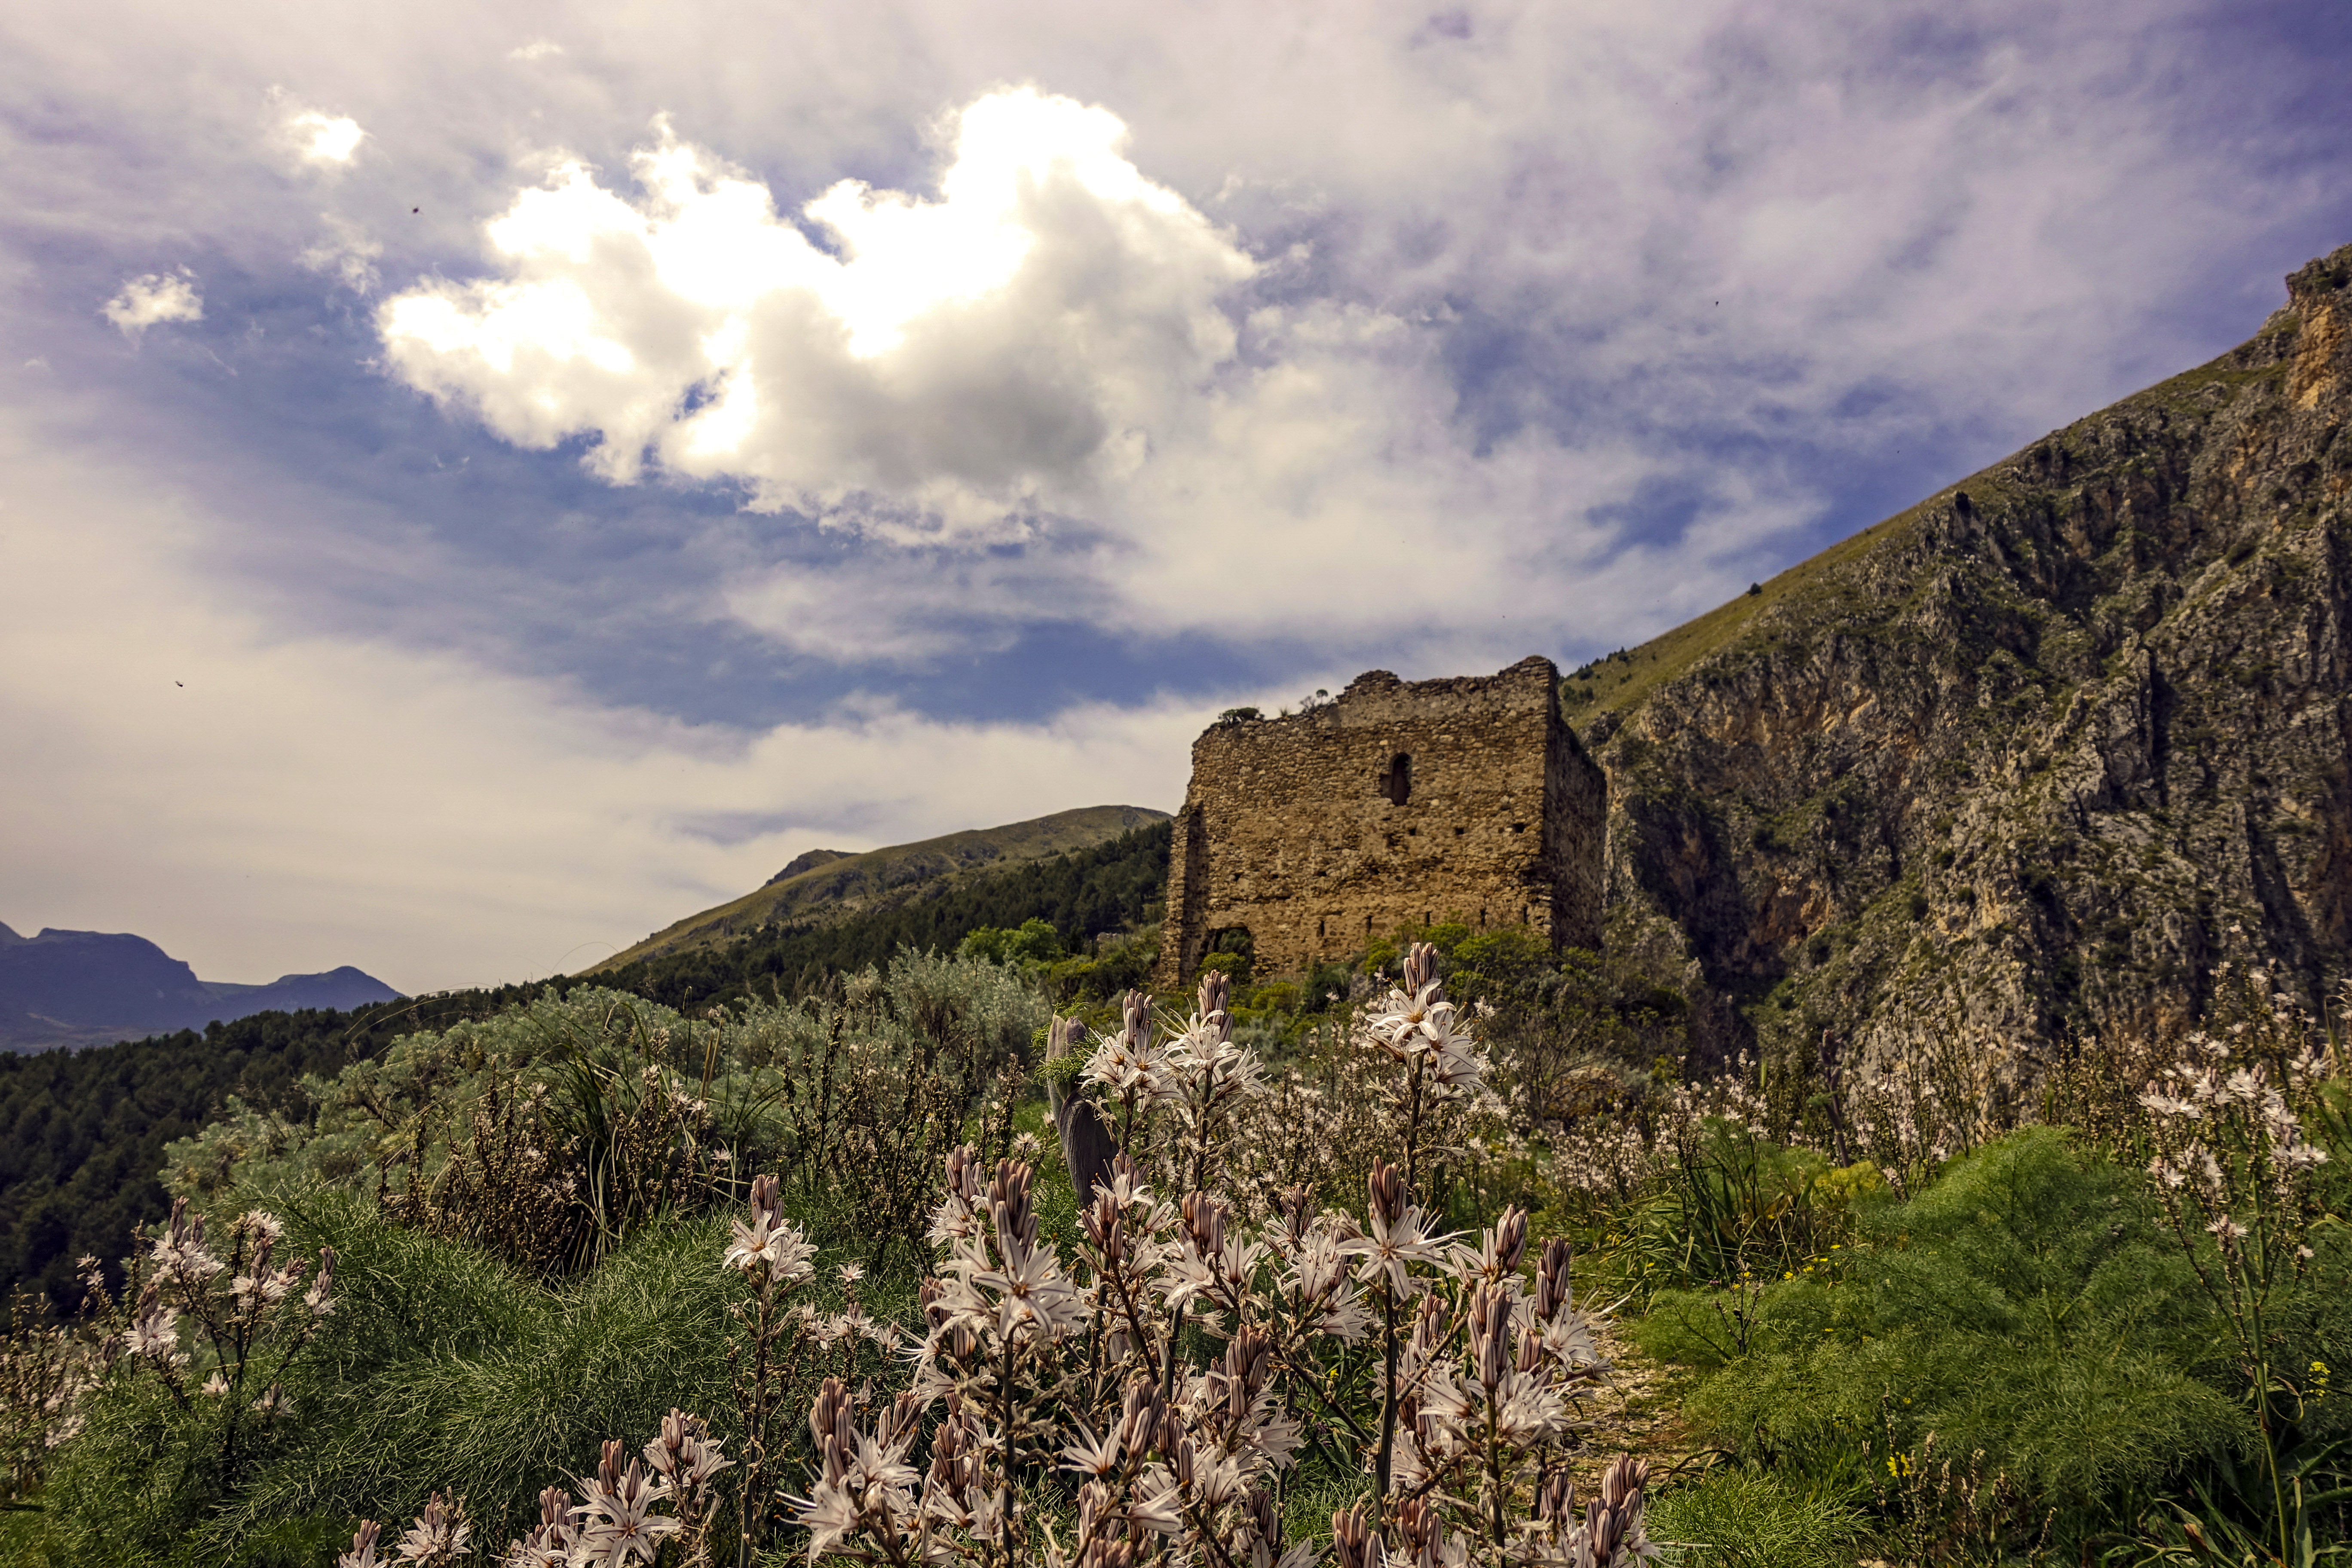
{"x": 2033, "y": 758}
{"x": 806, "y": 860}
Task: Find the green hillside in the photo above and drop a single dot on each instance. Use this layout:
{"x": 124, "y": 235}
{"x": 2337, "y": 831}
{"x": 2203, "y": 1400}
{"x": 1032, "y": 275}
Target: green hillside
{"x": 826, "y": 885}
{"x": 1826, "y": 590}
{"x": 82, "y": 1133}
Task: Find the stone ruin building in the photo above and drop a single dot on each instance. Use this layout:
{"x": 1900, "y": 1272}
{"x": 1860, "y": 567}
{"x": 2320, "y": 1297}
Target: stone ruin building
{"x": 1396, "y": 804}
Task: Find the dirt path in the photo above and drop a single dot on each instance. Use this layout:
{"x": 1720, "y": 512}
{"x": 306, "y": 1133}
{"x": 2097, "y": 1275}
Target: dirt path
{"x": 1636, "y": 1411}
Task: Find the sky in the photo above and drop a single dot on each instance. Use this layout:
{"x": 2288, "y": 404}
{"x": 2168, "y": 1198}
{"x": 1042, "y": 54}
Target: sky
{"x": 479, "y": 483}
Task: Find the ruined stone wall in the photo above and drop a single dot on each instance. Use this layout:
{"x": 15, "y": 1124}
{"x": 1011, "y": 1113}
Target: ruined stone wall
{"x": 1397, "y": 803}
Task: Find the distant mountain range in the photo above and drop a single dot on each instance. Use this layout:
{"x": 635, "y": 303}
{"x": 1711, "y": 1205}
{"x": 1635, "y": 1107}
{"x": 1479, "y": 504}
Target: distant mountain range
{"x": 826, "y": 885}
{"x": 92, "y": 988}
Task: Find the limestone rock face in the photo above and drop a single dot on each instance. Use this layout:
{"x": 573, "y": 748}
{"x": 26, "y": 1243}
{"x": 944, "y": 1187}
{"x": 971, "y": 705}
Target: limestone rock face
{"x": 2033, "y": 758}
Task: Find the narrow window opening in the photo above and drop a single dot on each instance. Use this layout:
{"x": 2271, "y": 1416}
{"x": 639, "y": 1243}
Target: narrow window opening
{"x": 1396, "y": 780}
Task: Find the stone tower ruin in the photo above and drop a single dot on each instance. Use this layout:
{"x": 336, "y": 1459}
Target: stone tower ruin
{"x": 1397, "y": 803}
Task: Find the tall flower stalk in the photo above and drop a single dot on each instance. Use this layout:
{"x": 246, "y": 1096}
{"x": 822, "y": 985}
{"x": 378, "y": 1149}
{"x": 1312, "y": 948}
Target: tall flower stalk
{"x": 773, "y": 1257}
{"x": 2235, "y": 1174}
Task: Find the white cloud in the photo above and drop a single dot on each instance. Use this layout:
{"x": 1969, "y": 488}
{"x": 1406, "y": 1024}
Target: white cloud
{"x": 324, "y": 138}
{"x": 153, "y": 298}
{"x": 537, "y": 49}
{"x": 345, "y": 253}
{"x": 947, "y": 364}
{"x": 1046, "y": 354}
{"x": 179, "y": 768}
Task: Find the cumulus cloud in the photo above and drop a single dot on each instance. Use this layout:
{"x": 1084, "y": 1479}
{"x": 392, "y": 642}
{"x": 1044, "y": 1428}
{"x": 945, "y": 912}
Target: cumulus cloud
{"x": 152, "y": 300}
{"x": 537, "y": 49}
{"x": 1055, "y": 353}
{"x": 907, "y": 365}
{"x": 328, "y": 140}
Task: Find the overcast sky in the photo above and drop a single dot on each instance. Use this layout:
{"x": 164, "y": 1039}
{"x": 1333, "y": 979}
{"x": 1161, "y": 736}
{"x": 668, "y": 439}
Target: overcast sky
{"x": 478, "y": 483}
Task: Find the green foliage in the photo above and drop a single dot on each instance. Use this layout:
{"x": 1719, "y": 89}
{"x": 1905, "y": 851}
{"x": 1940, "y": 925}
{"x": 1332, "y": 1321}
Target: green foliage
{"x": 440, "y": 1368}
{"x": 1121, "y": 885}
{"x": 344, "y": 1127}
{"x": 637, "y": 1111}
{"x": 1741, "y": 1517}
{"x": 1034, "y": 940}
{"x": 82, "y": 1134}
{"x": 1734, "y": 1205}
{"x": 2024, "y": 1306}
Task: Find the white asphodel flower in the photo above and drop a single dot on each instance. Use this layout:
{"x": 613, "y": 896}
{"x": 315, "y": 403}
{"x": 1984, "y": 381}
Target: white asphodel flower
{"x": 769, "y": 1239}
{"x": 1030, "y": 1288}
{"x": 1392, "y": 1247}
{"x": 436, "y": 1537}
{"x": 362, "y": 1552}
{"x": 617, "y": 1522}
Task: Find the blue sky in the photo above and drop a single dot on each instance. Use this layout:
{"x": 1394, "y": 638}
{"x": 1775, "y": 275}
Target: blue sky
{"x": 476, "y": 489}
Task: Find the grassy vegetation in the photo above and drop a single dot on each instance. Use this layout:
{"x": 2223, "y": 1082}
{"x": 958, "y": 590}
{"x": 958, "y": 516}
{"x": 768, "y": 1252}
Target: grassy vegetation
{"x": 82, "y": 1134}
{"x": 878, "y": 881}
{"x": 1902, "y": 1332}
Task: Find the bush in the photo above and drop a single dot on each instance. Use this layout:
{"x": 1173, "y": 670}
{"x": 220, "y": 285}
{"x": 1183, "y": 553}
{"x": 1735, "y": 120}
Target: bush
{"x": 1032, "y": 941}
{"x": 439, "y": 1369}
{"x": 2026, "y": 1307}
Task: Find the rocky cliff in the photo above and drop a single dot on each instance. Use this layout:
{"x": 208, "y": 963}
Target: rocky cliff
{"x": 2032, "y": 758}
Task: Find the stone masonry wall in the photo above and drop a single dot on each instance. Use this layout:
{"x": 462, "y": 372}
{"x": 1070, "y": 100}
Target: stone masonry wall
{"x": 1397, "y": 803}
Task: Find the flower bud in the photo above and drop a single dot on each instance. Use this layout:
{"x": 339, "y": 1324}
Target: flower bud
{"x": 1551, "y": 1280}
{"x": 1511, "y": 1238}
{"x": 1353, "y": 1543}
{"x": 1385, "y": 1189}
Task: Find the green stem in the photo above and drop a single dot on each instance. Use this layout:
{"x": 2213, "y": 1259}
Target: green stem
{"x": 1388, "y": 1393}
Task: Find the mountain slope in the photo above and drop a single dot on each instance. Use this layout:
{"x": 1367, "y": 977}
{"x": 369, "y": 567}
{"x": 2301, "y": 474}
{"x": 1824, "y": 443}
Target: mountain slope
{"x": 2034, "y": 756}
{"x": 86, "y": 987}
{"x": 828, "y": 885}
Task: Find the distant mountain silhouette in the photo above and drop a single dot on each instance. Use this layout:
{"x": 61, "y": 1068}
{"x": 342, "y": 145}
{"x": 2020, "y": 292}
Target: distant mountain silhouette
{"x": 86, "y": 987}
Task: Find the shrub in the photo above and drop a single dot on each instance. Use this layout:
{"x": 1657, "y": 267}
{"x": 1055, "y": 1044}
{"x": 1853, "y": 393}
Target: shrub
{"x": 2025, "y": 1307}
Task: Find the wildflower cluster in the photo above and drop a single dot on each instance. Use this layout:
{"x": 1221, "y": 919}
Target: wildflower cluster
{"x": 2232, "y": 1162}
{"x": 633, "y": 1510}
{"x": 45, "y": 1370}
{"x": 773, "y": 1257}
{"x": 198, "y": 1309}
{"x": 1173, "y": 1371}
{"x": 438, "y": 1538}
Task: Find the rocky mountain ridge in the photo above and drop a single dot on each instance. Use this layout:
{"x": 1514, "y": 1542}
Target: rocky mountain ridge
{"x": 86, "y": 988}
{"x": 2031, "y": 759}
